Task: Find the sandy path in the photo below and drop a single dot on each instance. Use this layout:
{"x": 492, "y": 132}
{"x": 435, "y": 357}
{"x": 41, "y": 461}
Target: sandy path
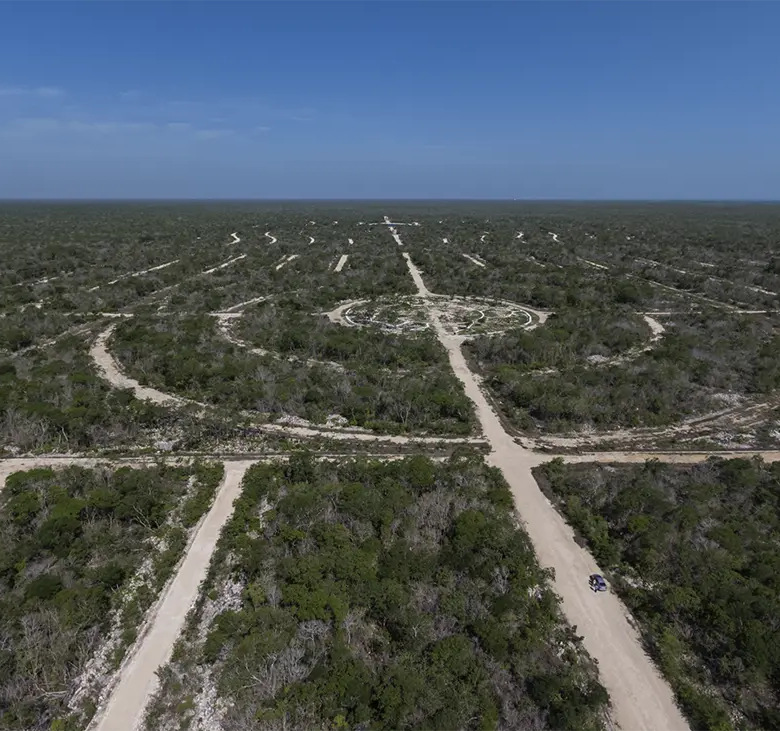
{"x": 342, "y": 261}
{"x": 692, "y": 295}
{"x": 720, "y": 280}
{"x": 225, "y": 329}
{"x": 224, "y": 264}
{"x": 555, "y": 237}
{"x": 422, "y": 290}
{"x": 272, "y": 239}
{"x": 350, "y": 241}
{"x": 482, "y": 238}
{"x": 311, "y": 240}
{"x": 474, "y": 261}
{"x": 539, "y": 263}
{"x": 743, "y": 414}
{"x": 241, "y": 305}
{"x": 109, "y": 370}
{"x": 287, "y": 260}
{"x": 670, "y": 457}
{"x": 145, "y": 271}
{"x": 445, "y": 241}
{"x": 593, "y": 263}
{"x": 235, "y": 240}
{"x": 520, "y": 235}
{"x": 138, "y": 680}
{"x": 133, "y": 274}
{"x": 657, "y": 331}
{"x": 641, "y": 699}
{"x": 393, "y": 231}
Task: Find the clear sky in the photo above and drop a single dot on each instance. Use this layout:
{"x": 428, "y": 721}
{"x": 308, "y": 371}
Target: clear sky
{"x": 390, "y": 100}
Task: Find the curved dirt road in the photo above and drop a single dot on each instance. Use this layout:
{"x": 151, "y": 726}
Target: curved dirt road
{"x": 137, "y": 681}
{"x": 109, "y": 370}
{"x": 641, "y": 698}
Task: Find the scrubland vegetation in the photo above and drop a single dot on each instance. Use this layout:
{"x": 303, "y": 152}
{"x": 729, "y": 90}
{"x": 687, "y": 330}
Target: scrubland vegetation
{"x": 368, "y": 595}
{"x": 187, "y": 356}
{"x": 83, "y": 554}
{"x": 703, "y": 362}
{"x": 394, "y": 595}
{"x": 694, "y": 551}
{"x": 595, "y": 267}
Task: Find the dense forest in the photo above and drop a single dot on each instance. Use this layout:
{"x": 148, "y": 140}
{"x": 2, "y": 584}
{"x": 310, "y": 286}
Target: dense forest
{"x": 395, "y": 595}
{"x": 695, "y": 553}
{"x": 83, "y": 554}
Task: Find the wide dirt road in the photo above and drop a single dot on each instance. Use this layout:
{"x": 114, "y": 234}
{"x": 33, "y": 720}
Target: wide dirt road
{"x": 137, "y": 678}
{"x": 641, "y": 698}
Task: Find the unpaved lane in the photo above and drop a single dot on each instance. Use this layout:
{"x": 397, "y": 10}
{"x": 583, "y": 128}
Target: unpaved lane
{"x": 474, "y": 261}
{"x": 286, "y": 260}
{"x": 642, "y": 701}
{"x": 224, "y": 264}
{"x": 138, "y": 680}
{"x": 108, "y": 369}
{"x": 342, "y": 261}
{"x": 271, "y": 239}
{"x": 593, "y": 264}
{"x": 144, "y": 271}
{"x": 671, "y": 457}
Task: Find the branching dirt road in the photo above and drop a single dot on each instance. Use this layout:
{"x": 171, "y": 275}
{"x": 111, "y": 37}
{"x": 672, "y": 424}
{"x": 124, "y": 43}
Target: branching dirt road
{"x": 137, "y": 679}
{"x": 641, "y": 699}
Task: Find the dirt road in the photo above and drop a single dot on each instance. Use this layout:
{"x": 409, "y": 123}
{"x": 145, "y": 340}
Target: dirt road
{"x": 107, "y": 368}
{"x": 474, "y": 261}
{"x": 224, "y": 264}
{"x": 124, "y": 708}
{"x": 641, "y": 699}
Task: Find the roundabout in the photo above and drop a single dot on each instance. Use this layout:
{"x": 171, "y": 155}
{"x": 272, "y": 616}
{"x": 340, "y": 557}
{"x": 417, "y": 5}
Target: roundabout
{"x": 464, "y": 317}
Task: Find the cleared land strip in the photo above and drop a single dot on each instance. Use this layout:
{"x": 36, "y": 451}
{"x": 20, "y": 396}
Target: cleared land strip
{"x": 671, "y": 457}
{"x": 135, "y": 274}
{"x": 124, "y": 708}
{"x": 642, "y": 701}
{"x": 286, "y": 260}
{"x": 235, "y": 240}
{"x": 224, "y": 264}
{"x": 474, "y": 260}
{"x": 109, "y": 370}
{"x": 751, "y": 287}
{"x": 271, "y": 239}
{"x": 342, "y": 261}
{"x": 593, "y": 264}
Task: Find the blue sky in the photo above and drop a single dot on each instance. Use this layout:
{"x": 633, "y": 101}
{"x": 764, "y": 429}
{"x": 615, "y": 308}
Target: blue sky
{"x": 390, "y": 100}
